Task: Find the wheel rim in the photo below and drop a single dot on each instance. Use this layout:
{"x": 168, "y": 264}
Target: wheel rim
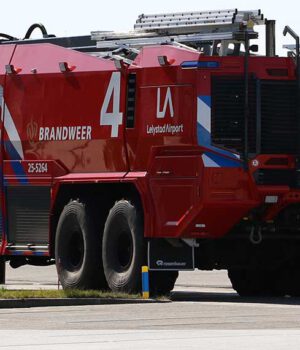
{"x": 125, "y": 250}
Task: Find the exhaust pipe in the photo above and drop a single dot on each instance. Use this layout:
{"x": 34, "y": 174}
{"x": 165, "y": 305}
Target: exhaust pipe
{"x": 288, "y": 30}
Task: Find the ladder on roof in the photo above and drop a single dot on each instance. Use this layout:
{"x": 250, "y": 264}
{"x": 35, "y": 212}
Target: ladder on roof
{"x": 184, "y": 28}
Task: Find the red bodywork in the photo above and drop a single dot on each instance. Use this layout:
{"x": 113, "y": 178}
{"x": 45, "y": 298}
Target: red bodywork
{"x": 182, "y": 196}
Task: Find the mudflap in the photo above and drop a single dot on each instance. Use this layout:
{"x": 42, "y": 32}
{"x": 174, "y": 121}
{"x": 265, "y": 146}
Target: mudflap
{"x": 170, "y": 255}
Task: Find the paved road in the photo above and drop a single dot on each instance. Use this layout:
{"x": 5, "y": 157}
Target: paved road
{"x": 149, "y": 340}
{"x": 205, "y": 313}
{"x": 32, "y": 277}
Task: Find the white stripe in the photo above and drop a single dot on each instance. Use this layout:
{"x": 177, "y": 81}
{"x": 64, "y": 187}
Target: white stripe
{"x": 208, "y": 162}
{"x": 204, "y": 115}
{"x": 12, "y": 132}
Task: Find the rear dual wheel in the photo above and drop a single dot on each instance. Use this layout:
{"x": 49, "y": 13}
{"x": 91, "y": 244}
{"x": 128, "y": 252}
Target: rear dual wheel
{"x": 79, "y": 245}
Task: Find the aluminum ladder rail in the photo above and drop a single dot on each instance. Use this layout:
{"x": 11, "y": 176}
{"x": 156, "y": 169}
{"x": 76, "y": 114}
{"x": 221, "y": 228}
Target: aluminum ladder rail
{"x": 185, "y": 27}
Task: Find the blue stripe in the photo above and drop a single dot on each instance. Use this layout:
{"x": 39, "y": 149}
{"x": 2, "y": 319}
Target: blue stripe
{"x": 222, "y": 161}
{"x": 22, "y": 252}
{"x": 20, "y": 172}
{"x": 16, "y": 252}
{"x": 10, "y": 149}
{"x": 204, "y": 137}
{"x": 206, "y": 99}
{"x": 223, "y": 152}
{"x": 200, "y": 64}
{"x": 39, "y": 253}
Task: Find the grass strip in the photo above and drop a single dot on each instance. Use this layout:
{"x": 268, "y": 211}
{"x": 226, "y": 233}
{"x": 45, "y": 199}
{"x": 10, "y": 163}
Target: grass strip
{"x": 57, "y": 294}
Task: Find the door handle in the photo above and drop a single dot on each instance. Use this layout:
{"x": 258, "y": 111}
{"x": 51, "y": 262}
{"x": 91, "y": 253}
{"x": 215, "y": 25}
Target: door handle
{"x": 164, "y": 172}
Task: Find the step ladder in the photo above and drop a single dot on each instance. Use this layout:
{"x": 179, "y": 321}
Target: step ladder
{"x": 194, "y": 29}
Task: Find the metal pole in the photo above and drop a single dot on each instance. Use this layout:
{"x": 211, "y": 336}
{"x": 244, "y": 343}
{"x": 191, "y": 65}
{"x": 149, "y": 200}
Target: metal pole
{"x": 270, "y": 38}
{"x": 298, "y": 91}
{"x": 246, "y": 105}
{"x": 286, "y": 30}
{"x": 145, "y": 282}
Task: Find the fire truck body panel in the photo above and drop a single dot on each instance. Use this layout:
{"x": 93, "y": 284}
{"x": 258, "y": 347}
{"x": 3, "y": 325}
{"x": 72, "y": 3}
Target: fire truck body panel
{"x": 66, "y": 137}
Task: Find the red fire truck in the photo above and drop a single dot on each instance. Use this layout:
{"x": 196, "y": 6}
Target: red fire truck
{"x": 175, "y": 146}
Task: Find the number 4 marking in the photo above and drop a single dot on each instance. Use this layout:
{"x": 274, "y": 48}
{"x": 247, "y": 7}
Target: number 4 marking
{"x": 115, "y": 117}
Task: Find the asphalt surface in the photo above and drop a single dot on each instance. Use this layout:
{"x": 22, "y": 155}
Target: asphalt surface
{"x": 33, "y": 277}
{"x": 205, "y": 314}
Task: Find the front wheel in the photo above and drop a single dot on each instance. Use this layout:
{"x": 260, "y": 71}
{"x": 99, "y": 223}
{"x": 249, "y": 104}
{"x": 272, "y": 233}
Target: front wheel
{"x": 255, "y": 282}
{"x": 289, "y": 278}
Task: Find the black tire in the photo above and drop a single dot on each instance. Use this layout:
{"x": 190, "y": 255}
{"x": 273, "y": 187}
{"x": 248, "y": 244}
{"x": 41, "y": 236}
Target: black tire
{"x": 255, "y": 282}
{"x": 162, "y": 282}
{"x": 78, "y": 248}
{"x": 123, "y": 248}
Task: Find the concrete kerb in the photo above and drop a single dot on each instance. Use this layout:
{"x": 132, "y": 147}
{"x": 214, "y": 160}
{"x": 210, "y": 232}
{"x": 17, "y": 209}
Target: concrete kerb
{"x": 45, "y": 302}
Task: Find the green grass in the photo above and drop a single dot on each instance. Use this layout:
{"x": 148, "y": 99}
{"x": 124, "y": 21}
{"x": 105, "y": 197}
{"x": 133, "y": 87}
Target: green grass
{"x": 55, "y": 294}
